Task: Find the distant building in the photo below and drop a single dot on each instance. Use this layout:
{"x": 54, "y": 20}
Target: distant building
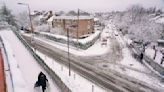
{"x": 35, "y": 13}
{"x": 82, "y": 25}
{"x": 42, "y": 16}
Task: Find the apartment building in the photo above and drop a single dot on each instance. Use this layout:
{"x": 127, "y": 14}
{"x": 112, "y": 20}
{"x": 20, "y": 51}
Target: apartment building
{"x": 77, "y": 26}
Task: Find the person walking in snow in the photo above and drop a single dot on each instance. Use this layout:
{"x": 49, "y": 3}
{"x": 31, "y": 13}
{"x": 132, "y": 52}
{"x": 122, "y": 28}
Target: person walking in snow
{"x": 42, "y": 81}
{"x": 155, "y": 52}
{"x": 141, "y": 57}
{"x": 162, "y": 59}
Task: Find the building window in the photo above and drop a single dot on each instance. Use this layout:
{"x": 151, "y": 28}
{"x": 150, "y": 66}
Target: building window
{"x": 88, "y": 22}
{"x": 58, "y": 25}
{"x": 88, "y": 27}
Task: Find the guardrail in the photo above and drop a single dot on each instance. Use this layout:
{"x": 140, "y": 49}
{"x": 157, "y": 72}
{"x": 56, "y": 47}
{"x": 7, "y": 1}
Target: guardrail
{"x": 53, "y": 75}
{"x": 7, "y": 70}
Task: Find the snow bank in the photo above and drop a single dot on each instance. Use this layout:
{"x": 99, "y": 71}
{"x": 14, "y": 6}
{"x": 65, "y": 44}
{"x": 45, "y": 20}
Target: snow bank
{"x": 130, "y": 61}
{"x": 18, "y": 81}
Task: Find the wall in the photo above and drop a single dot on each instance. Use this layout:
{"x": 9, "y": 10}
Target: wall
{"x": 82, "y": 28}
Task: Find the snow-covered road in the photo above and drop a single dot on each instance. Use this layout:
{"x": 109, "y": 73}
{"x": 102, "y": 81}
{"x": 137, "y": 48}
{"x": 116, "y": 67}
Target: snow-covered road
{"x": 26, "y": 63}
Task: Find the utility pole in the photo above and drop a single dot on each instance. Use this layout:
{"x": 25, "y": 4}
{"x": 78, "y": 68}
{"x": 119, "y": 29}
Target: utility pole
{"x": 69, "y": 66}
{"x": 77, "y": 35}
{"x": 32, "y": 30}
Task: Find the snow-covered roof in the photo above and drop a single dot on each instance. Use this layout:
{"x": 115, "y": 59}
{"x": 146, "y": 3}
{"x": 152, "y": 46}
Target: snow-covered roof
{"x": 51, "y": 19}
{"x": 96, "y": 19}
{"x": 32, "y": 13}
{"x": 73, "y": 17}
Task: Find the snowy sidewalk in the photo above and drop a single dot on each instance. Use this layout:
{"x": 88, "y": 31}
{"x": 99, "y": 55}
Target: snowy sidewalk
{"x": 26, "y": 64}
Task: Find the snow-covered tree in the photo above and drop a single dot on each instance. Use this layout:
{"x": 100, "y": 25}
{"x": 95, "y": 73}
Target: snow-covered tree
{"x": 59, "y": 13}
{"x": 145, "y": 31}
{"x": 23, "y": 19}
{"x": 151, "y": 10}
{"x": 135, "y": 13}
{"x": 6, "y": 16}
{"x": 135, "y": 22}
{"x": 71, "y": 13}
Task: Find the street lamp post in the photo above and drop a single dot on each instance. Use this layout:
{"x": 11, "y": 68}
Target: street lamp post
{"x": 77, "y": 33}
{"x": 69, "y": 66}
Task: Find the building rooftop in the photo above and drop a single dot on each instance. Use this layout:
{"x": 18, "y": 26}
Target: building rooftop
{"x": 70, "y": 17}
{"x": 96, "y": 19}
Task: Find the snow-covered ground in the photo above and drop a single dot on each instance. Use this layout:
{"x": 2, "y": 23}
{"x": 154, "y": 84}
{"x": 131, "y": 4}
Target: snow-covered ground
{"x": 75, "y": 82}
{"x": 96, "y": 49}
{"x": 140, "y": 71}
{"x": 24, "y": 68}
{"x": 133, "y": 68}
{"x": 128, "y": 65}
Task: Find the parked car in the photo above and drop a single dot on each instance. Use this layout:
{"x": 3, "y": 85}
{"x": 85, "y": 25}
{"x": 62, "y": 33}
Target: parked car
{"x": 25, "y": 29}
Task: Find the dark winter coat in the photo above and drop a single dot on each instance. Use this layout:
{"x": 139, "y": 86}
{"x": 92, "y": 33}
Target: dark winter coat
{"x": 141, "y": 56}
{"x": 42, "y": 79}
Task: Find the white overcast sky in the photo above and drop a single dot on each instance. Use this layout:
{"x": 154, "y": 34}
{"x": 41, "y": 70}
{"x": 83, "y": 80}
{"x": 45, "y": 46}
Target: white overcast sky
{"x": 87, "y": 5}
